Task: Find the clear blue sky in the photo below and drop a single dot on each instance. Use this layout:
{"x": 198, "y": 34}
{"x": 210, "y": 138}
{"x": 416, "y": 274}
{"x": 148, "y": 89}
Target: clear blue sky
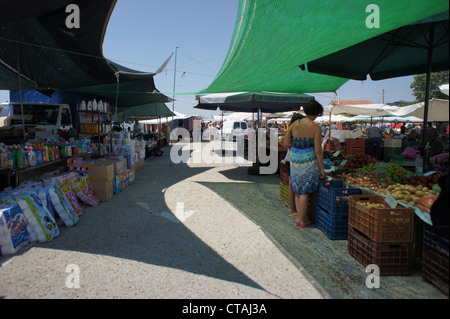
{"x": 142, "y": 34}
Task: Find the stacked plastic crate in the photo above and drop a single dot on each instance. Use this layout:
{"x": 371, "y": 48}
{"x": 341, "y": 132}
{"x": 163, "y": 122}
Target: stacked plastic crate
{"x": 355, "y": 145}
{"x": 435, "y": 256}
{"x": 380, "y": 235}
{"x": 284, "y": 181}
{"x": 332, "y": 208}
{"x": 392, "y": 146}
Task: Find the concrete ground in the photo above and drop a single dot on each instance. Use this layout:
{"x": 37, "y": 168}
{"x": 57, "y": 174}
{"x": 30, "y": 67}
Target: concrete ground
{"x": 203, "y": 229}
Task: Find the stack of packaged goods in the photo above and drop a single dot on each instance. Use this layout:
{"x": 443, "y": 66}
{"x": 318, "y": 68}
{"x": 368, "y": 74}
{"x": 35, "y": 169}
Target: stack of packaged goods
{"x": 32, "y": 211}
{"x": 111, "y": 175}
{"x": 101, "y": 173}
{"x": 332, "y": 208}
{"x": 380, "y": 234}
{"x": 122, "y": 146}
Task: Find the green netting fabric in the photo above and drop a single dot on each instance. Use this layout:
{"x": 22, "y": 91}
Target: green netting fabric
{"x": 272, "y": 38}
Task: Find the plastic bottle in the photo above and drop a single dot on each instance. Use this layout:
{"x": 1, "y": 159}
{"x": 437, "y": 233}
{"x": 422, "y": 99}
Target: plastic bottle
{"x": 3, "y": 159}
{"x": 419, "y": 165}
{"x": 44, "y": 153}
{"x": 24, "y": 158}
{"x": 56, "y": 152}
{"x": 18, "y": 157}
{"x": 10, "y": 159}
{"x": 31, "y": 157}
{"x": 47, "y": 153}
{"x": 50, "y": 153}
{"x": 38, "y": 154}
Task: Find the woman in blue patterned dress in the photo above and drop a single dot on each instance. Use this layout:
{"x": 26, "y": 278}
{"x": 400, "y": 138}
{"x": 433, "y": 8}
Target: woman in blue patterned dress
{"x": 305, "y": 138}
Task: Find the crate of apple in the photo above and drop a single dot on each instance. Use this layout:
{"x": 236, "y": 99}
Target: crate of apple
{"x": 373, "y": 181}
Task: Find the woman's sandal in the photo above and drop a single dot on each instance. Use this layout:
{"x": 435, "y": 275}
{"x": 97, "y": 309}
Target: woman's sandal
{"x": 293, "y": 215}
{"x": 301, "y": 225}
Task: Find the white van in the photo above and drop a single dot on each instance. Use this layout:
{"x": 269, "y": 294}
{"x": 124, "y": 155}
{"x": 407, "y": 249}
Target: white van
{"x": 231, "y": 129}
{"x": 45, "y": 116}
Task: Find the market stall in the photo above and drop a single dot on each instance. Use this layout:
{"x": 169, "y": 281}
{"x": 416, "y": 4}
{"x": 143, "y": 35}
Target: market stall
{"x": 381, "y": 207}
{"x": 37, "y": 207}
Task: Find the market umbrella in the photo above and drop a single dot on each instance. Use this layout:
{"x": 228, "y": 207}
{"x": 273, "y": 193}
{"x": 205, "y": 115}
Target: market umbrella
{"x": 268, "y": 102}
{"x": 444, "y": 88}
{"x": 421, "y": 47}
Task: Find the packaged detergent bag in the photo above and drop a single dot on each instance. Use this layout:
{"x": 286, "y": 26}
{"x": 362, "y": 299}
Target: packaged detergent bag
{"x": 13, "y": 229}
{"x": 39, "y": 219}
{"x": 62, "y": 206}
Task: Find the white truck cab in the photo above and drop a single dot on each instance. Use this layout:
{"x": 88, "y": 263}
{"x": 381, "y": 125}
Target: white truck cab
{"x": 41, "y": 116}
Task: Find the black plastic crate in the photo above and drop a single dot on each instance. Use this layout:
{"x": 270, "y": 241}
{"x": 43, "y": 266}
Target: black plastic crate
{"x": 436, "y": 239}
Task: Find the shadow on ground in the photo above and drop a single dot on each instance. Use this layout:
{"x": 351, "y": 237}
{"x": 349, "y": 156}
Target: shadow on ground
{"x": 132, "y": 226}
{"x": 326, "y": 261}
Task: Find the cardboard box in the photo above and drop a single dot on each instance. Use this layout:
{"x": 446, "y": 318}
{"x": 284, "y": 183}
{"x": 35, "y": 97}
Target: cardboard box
{"x": 101, "y": 170}
{"x": 103, "y": 190}
{"x": 120, "y": 163}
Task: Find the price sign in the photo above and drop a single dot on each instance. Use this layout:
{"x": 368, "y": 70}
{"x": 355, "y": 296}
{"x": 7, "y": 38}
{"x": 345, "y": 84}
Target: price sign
{"x": 390, "y": 201}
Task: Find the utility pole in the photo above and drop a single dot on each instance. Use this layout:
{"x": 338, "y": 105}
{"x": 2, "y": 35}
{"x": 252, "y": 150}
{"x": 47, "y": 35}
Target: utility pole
{"x": 173, "y": 97}
{"x": 174, "y": 80}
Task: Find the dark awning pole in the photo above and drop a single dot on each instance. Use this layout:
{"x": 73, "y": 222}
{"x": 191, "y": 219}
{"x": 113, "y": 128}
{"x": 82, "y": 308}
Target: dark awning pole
{"x": 427, "y": 93}
{"x": 20, "y": 90}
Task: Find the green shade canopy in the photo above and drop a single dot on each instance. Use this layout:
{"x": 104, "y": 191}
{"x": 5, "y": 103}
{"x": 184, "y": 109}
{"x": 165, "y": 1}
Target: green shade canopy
{"x": 143, "y": 112}
{"x": 37, "y": 47}
{"x": 272, "y": 39}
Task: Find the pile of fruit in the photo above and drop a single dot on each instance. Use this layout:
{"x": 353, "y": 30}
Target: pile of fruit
{"x": 358, "y": 160}
{"x": 395, "y": 171}
{"x": 374, "y": 181}
{"x": 370, "y": 205}
{"x": 408, "y": 194}
{"x": 340, "y": 172}
{"x": 425, "y": 181}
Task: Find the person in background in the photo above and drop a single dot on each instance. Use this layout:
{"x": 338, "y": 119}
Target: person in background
{"x": 305, "y": 139}
{"x": 403, "y": 132}
{"x": 441, "y": 129}
{"x": 434, "y": 145}
{"x": 375, "y": 140}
